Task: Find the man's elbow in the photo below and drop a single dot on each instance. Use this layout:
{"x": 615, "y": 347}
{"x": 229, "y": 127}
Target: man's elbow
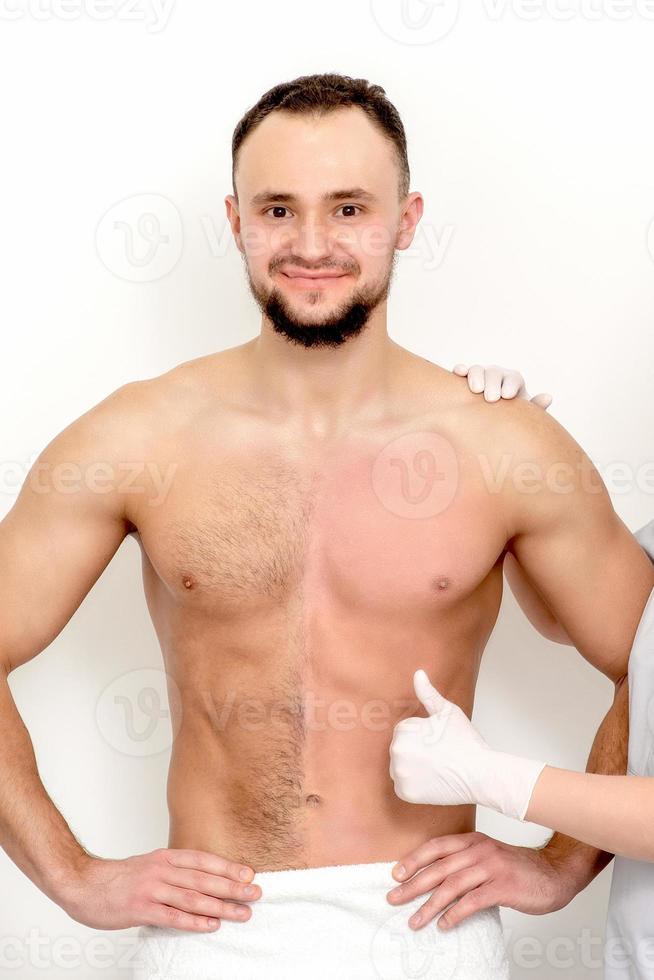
{"x": 624, "y": 679}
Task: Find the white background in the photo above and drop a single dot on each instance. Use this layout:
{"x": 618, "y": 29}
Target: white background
{"x": 530, "y": 138}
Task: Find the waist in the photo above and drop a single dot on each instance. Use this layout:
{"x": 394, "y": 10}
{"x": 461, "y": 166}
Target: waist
{"x": 265, "y": 804}
{"x": 297, "y": 842}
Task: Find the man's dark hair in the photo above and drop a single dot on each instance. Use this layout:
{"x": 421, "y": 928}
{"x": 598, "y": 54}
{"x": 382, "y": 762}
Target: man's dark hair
{"x": 319, "y": 94}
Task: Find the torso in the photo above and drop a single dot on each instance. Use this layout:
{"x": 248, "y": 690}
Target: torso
{"x": 295, "y": 587}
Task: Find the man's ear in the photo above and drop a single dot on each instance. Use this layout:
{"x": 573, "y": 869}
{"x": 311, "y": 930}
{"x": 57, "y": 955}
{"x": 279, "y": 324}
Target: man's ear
{"x": 412, "y": 211}
{"x": 234, "y": 218}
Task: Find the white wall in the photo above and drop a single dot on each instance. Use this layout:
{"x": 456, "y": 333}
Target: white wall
{"x": 531, "y": 140}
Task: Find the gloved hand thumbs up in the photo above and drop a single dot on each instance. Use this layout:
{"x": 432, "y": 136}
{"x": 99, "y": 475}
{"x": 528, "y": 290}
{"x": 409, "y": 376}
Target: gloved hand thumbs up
{"x": 427, "y": 694}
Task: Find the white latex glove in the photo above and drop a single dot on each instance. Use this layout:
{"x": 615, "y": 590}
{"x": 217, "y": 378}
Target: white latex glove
{"x": 498, "y": 382}
{"x": 444, "y": 760}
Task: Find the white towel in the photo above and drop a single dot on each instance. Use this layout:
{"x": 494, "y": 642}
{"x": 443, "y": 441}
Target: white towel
{"x": 328, "y": 923}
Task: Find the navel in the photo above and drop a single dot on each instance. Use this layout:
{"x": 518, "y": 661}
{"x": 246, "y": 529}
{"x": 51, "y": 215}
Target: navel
{"x": 313, "y": 800}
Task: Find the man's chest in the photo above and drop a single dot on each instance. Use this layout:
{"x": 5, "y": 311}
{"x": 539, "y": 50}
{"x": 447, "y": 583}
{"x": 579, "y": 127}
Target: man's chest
{"x": 396, "y": 523}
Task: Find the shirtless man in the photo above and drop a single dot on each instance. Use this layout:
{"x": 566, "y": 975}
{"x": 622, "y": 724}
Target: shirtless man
{"x": 339, "y": 513}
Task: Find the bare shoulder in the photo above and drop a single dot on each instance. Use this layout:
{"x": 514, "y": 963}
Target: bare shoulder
{"x": 106, "y": 427}
{"x": 532, "y": 465}
{"x": 528, "y": 436}
{"x": 143, "y": 407}
{"x": 192, "y": 384}
{"x": 525, "y": 429}
{"x": 544, "y": 476}
{"x": 130, "y": 424}
{"x": 513, "y": 425}
{"x": 438, "y": 388}
{"x": 426, "y": 387}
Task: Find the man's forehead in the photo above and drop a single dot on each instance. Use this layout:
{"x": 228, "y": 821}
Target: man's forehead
{"x": 310, "y": 126}
{"x": 315, "y": 158}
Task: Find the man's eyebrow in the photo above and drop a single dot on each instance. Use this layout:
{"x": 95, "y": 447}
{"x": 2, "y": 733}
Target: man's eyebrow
{"x": 263, "y": 197}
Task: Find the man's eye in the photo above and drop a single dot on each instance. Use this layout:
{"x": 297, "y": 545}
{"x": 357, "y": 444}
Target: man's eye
{"x": 280, "y": 207}
{"x": 276, "y": 207}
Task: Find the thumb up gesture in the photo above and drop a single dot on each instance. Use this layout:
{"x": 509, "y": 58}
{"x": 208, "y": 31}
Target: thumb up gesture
{"x": 442, "y": 759}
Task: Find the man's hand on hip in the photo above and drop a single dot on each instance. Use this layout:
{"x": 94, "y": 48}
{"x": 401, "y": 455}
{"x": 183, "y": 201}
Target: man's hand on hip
{"x": 174, "y": 888}
{"x": 477, "y": 872}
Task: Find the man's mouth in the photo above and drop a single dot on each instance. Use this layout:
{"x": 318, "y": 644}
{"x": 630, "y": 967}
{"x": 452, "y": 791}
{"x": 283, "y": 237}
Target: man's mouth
{"x": 312, "y": 280}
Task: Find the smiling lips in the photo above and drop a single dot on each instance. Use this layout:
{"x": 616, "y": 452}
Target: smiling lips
{"x": 311, "y": 279}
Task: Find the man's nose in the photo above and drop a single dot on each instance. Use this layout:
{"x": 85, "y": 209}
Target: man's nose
{"x": 313, "y": 240}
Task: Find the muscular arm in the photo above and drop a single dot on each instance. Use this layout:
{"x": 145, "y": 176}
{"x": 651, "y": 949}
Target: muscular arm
{"x": 532, "y": 604}
{"x": 498, "y": 382}
{"x": 590, "y": 571}
{"x": 54, "y": 544}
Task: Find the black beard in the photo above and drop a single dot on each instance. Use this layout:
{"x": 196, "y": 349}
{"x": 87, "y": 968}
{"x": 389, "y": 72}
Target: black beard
{"x": 333, "y": 331}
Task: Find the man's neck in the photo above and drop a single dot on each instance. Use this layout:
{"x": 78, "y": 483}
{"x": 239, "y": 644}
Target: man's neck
{"x": 324, "y": 390}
